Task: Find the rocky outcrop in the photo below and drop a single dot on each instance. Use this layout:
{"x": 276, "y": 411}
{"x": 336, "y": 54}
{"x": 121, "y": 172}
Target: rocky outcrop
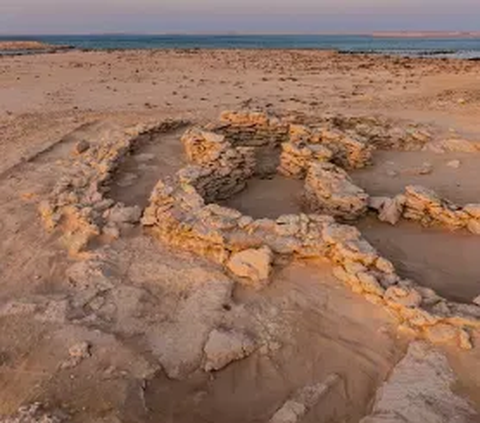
{"x": 420, "y": 390}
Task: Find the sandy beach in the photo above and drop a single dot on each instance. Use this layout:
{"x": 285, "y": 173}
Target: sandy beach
{"x": 123, "y": 329}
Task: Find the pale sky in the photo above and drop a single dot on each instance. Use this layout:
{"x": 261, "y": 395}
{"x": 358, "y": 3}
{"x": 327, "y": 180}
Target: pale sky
{"x": 97, "y": 16}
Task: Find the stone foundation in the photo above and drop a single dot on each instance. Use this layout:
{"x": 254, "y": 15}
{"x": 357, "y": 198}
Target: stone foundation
{"x": 78, "y": 203}
{"x": 182, "y": 214}
{"x": 425, "y": 206}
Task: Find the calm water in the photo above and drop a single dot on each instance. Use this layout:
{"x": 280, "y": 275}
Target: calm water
{"x": 444, "y": 47}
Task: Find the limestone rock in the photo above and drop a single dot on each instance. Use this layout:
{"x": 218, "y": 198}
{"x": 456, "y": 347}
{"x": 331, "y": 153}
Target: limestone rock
{"x": 253, "y": 264}
{"x": 224, "y": 347}
{"x": 80, "y": 350}
{"x": 391, "y": 210}
{"x": 377, "y": 203}
{"x": 474, "y": 226}
{"x": 454, "y": 164}
{"x": 121, "y": 214}
{"x": 296, "y": 408}
{"x": 420, "y": 390}
{"x": 442, "y": 333}
{"x": 81, "y": 147}
{"x": 329, "y": 189}
{"x": 472, "y": 210}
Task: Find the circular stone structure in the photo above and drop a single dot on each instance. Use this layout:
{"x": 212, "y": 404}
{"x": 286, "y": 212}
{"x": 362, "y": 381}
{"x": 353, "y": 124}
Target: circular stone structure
{"x": 184, "y": 212}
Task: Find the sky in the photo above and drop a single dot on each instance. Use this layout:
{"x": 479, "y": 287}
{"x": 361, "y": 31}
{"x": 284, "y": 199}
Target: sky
{"x": 160, "y": 16}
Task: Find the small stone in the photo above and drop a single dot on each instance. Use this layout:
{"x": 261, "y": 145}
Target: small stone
{"x": 477, "y": 301}
{"x": 454, "y": 164}
{"x": 426, "y": 169}
{"x": 80, "y": 350}
{"x": 392, "y": 210}
{"x": 119, "y": 214}
{"x": 81, "y": 147}
{"x": 253, "y": 264}
{"x": 465, "y": 341}
{"x": 392, "y": 173}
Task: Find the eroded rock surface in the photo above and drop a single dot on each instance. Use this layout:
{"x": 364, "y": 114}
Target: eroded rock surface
{"x": 420, "y": 390}
{"x": 224, "y": 347}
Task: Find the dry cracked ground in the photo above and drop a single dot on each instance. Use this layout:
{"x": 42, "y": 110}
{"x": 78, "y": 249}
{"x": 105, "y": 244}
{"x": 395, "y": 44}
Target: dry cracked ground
{"x": 146, "y": 333}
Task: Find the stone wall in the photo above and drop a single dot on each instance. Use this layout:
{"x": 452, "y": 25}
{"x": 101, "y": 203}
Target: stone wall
{"x": 349, "y": 150}
{"x": 78, "y": 203}
{"x": 329, "y": 190}
{"x": 178, "y": 216}
{"x": 181, "y": 214}
{"x": 427, "y": 207}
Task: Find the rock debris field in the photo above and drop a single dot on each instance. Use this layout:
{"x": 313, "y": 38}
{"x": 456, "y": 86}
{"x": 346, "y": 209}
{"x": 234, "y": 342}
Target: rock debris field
{"x": 175, "y": 303}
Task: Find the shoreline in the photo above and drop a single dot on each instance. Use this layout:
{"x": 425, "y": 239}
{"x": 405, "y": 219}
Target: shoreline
{"x": 422, "y": 55}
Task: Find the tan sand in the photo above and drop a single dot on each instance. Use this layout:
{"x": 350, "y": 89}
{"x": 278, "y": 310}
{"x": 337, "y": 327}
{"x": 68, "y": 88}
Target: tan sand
{"x": 146, "y": 311}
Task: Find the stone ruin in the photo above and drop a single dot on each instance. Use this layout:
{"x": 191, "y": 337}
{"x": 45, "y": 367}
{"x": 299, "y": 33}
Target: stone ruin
{"x": 185, "y": 213}
{"x": 427, "y": 207}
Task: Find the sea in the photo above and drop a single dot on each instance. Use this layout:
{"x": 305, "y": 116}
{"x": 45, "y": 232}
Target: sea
{"x": 455, "y": 47}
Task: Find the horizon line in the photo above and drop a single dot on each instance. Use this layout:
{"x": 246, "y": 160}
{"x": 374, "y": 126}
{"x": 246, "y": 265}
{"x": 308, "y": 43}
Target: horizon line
{"x": 394, "y": 33}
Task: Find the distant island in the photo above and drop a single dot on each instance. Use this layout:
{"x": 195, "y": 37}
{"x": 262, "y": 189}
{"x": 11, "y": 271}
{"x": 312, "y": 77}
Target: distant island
{"x": 427, "y": 34}
{"x": 30, "y": 46}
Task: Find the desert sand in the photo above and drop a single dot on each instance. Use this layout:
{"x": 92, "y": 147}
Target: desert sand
{"x": 128, "y": 327}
